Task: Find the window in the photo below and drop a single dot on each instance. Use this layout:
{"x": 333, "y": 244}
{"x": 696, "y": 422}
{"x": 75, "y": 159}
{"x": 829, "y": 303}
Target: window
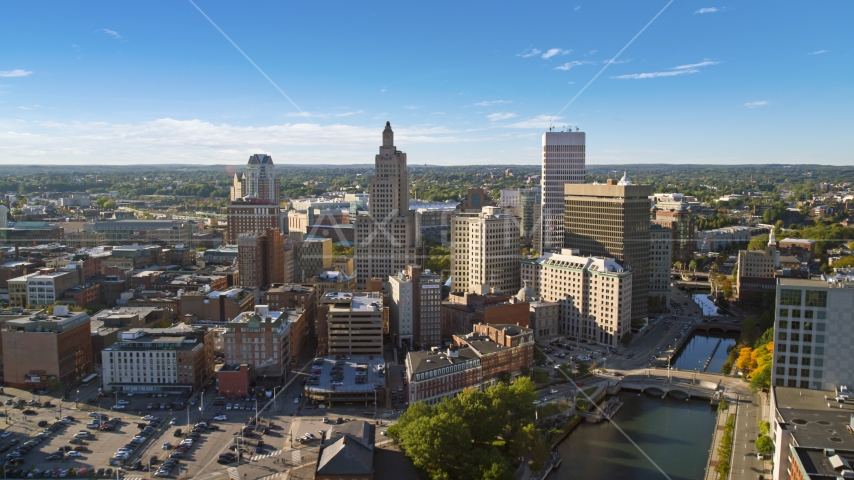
{"x": 808, "y": 314}
{"x": 808, "y": 326}
{"x": 796, "y": 325}
{"x": 805, "y": 384}
{"x": 796, "y": 313}
{"x": 807, "y": 350}
{"x": 820, "y": 326}
{"x": 793, "y": 348}
{"x": 793, "y": 360}
{"x": 816, "y": 374}
{"x": 793, "y": 372}
{"x": 781, "y": 359}
{"x": 819, "y": 362}
{"x": 805, "y": 361}
{"x": 782, "y": 336}
{"x": 796, "y": 337}
{"x": 790, "y": 297}
{"x": 807, "y": 337}
{"x": 816, "y": 298}
{"x": 784, "y": 324}
{"x": 819, "y": 350}
{"x": 784, "y": 312}
{"x": 821, "y": 315}
{"x": 819, "y": 339}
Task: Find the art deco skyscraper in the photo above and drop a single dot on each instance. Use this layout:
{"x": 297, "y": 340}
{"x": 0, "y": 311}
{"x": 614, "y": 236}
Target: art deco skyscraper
{"x": 612, "y": 220}
{"x": 385, "y": 235}
{"x": 258, "y": 181}
{"x": 563, "y": 162}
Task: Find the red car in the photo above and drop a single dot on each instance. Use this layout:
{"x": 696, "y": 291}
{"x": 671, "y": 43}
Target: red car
{"x": 580, "y": 384}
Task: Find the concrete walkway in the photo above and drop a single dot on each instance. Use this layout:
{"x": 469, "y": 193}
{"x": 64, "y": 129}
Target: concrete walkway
{"x": 716, "y": 439}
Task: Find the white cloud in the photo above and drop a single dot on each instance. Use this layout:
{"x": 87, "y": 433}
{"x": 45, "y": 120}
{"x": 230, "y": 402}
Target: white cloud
{"x": 500, "y": 116}
{"x": 383, "y": 90}
{"x": 570, "y": 83}
{"x": 28, "y": 107}
{"x": 577, "y": 7}
{"x": 321, "y": 115}
{"x": 555, "y": 51}
{"x": 673, "y": 72}
{"x": 704, "y": 63}
{"x": 112, "y": 33}
{"x": 15, "y": 73}
{"x": 529, "y": 52}
{"x": 437, "y": 113}
{"x": 201, "y": 142}
{"x": 489, "y": 103}
{"x": 540, "y": 122}
{"x": 706, "y": 10}
{"x": 574, "y": 63}
{"x": 592, "y": 52}
{"x": 761, "y": 103}
{"x": 347, "y": 114}
{"x": 817, "y": 52}
{"x": 410, "y": 107}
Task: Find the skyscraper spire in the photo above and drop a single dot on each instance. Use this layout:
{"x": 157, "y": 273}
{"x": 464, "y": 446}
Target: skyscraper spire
{"x": 388, "y": 135}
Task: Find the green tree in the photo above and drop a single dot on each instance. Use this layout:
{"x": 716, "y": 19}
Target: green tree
{"x": 110, "y": 205}
{"x": 758, "y": 243}
{"x": 764, "y": 445}
{"x": 764, "y": 427}
{"x": 844, "y": 262}
{"x": 583, "y": 368}
{"x": 626, "y": 339}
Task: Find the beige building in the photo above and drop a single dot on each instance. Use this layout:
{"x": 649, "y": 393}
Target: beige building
{"x": 594, "y": 294}
{"x": 612, "y": 220}
{"x": 259, "y": 180}
{"x": 262, "y": 339}
{"x": 172, "y": 232}
{"x": 757, "y": 268}
{"x": 313, "y": 255}
{"x": 18, "y": 290}
{"x": 660, "y": 259}
{"x": 485, "y": 251}
{"x": 47, "y": 287}
{"x": 385, "y": 236}
{"x": 414, "y": 307}
{"x": 354, "y": 323}
{"x": 85, "y": 239}
{"x": 545, "y": 319}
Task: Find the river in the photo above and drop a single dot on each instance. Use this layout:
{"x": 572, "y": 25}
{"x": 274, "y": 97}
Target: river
{"x": 674, "y": 433}
{"x": 697, "y": 350}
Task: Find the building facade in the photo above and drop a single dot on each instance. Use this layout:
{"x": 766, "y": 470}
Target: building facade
{"x": 171, "y": 232}
{"x": 683, "y": 227}
{"x": 313, "y": 255}
{"x": 262, "y": 339}
{"x": 250, "y": 215}
{"x": 485, "y": 251}
{"x": 660, "y": 261}
{"x": 385, "y": 236}
{"x": 414, "y": 307}
{"x": 354, "y": 323}
{"x": 47, "y": 351}
{"x": 813, "y": 326}
{"x": 612, "y": 220}
{"x": 259, "y": 180}
{"x": 261, "y": 258}
{"x": 757, "y": 270}
{"x": 594, "y": 294}
{"x": 177, "y": 359}
{"x": 564, "y": 156}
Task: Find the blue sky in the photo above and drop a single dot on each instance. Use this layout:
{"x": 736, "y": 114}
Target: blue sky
{"x": 462, "y": 82}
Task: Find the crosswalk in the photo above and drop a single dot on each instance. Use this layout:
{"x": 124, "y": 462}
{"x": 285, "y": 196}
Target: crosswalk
{"x": 233, "y": 474}
{"x": 134, "y": 478}
{"x": 272, "y": 476}
{"x": 255, "y": 458}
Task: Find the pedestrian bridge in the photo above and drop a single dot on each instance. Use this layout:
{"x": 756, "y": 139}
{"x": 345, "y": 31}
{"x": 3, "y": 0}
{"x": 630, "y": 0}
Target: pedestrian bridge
{"x": 663, "y": 386}
{"x": 718, "y": 327}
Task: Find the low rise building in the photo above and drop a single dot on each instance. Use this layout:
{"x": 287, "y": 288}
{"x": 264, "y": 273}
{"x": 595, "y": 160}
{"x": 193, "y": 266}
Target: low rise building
{"x": 47, "y": 351}
{"x": 716, "y": 240}
{"x": 176, "y": 359}
{"x": 504, "y": 350}
{"x": 216, "y": 306}
{"x": 85, "y": 239}
{"x": 171, "y": 232}
{"x": 235, "y": 380}
{"x": 358, "y": 378}
{"x": 82, "y": 296}
{"x": 48, "y": 286}
{"x": 437, "y": 374}
{"x": 354, "y": 322}
{"x": 261, "y": 338}
{"x": 461, "y": 311}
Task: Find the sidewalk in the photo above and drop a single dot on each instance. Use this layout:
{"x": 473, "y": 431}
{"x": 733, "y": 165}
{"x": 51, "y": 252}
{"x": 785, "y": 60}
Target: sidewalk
{"x": 716, "y": 439}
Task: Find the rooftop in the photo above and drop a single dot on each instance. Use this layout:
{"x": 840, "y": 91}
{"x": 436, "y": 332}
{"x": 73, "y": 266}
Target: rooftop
{"x": 819, "y": 462}
{"x": 812, "y": 419}
{"x": 430, "y": 360}
{"x": 373, "y": 368}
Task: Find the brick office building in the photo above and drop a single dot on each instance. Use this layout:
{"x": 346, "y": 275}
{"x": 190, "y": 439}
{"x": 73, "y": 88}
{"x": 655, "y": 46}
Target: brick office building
{"x": 41, "y": 350}
{"x": 503, "y": 349}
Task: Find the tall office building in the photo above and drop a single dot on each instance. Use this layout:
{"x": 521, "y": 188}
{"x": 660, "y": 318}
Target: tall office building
{"x": 612, "y": 220}
{"x": 414, "y": 316}
{"x": 250, "y": 215}
{"x": 385, "y": 236}
{"x": 530, "y": 211}
{"x": 485, "y": 251}
{"x": 563, "y": 163}
{"x": 4, "y": 216}
{"x": 682, "y": 225}
{"x": 259, "y": 180}
{"x": 812, "y": 326}
{"x": 660, "y": 260}
{"x": 261, "y": 258}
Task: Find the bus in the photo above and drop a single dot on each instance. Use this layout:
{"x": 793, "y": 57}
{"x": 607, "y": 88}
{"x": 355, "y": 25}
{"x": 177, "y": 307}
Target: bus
{"x": 90, "y": 380}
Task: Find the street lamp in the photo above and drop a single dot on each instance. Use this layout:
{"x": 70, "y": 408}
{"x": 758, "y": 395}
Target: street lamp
{"x": 77, "y": 401}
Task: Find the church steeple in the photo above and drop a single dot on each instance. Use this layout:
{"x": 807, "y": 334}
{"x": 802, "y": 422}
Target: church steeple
{"x": 388, "y": 135}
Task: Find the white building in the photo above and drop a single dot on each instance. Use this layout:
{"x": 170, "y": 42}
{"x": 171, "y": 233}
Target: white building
{"x": 485, "y": 251}
{"x": 814, "y": 334}
{"x": 385, "y": 236}
{"x": 563, "y": 162}
{"x": 594, "y": 293}
{"x": 511, "y": 200}
{"x": 713, "y": 240}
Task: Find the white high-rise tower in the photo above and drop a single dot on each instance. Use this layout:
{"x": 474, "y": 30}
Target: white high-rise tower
{"x": 385, "y": 236}
{"x": 258, "y": 181}
{"x": 563, "y": 162}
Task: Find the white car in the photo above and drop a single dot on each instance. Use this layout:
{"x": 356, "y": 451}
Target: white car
{"x": 81, "y": 435}
{"x": 553, "y": 391}
{"x": 221, "y": 418}
{"x": 148, "y": 417}
{"x": 174, "y": 421}
{"x": 94, "y": 414}
{"x": 296, "y": 399}
{"x": 123, "y": 402}
{"x": 228, "y": 407}
{"x": 5, "y": 434}
{"x": 124, "y": 450}
{"x": 166, "y": 446}
{"x": 118, "y": 407}
{"x": 121, "y": 455}
{"x": 74, "y": 454}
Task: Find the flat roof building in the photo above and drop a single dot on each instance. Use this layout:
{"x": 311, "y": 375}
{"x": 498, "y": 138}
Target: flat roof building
{"x": 354, "y": 322}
